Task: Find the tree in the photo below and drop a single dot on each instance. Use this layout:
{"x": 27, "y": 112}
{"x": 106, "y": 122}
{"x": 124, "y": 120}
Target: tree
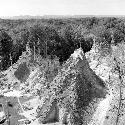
{"x": 103, "y": 39}
{"x": 6, "y": 44}
{"x": 44, "y": 38}
{"x": 117, "y": 62}
{"x": 73, "y": 37}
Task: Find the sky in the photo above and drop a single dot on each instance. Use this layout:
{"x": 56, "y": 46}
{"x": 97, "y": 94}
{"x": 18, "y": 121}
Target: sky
{"x": 61, "y": 7}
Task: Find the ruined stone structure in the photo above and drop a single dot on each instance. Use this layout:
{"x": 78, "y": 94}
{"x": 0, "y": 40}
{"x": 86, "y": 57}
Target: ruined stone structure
{"x": 76, "y": 89}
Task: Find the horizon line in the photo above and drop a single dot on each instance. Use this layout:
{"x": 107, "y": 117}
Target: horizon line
{"x": 84, "y": 15}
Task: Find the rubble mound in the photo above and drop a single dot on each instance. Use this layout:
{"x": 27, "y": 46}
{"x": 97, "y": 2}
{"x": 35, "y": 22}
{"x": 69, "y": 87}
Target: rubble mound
{"x": 76, "y": 90}
{"x": 50, "y": 93}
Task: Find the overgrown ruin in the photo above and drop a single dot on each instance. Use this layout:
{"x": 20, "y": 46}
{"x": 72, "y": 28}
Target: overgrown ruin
{"x": 74, "y": 88}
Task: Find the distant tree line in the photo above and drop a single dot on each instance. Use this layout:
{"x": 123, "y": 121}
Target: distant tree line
{"x": 57, "y": 37}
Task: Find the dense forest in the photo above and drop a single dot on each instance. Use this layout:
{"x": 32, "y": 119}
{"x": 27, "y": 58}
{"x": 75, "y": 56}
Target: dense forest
{"x": 57, "y": 37}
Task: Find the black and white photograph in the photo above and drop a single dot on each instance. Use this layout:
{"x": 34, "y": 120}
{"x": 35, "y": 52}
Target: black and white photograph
{"x": 62, "y": 62}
